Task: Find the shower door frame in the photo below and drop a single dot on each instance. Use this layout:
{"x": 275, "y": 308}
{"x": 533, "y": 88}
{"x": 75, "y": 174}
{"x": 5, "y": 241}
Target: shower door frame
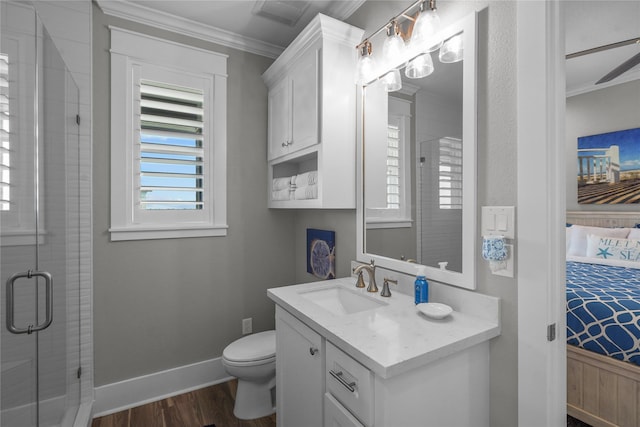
{"x": 60, "y": 16}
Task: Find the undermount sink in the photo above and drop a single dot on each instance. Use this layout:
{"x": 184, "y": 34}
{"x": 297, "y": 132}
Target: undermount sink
{"x": 340, "y": 301}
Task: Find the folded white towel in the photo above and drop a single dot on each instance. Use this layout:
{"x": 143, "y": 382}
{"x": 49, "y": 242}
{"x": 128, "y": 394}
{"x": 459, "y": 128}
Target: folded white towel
{"x": 284, "y": 194}
{"x": 307, "y": 178}
{"x": 307, "y": 192}
{"x": 282, "y": 183}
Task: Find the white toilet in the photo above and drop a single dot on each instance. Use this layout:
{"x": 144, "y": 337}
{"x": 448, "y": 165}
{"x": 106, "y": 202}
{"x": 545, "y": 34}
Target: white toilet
{"x": 252, "y": 359}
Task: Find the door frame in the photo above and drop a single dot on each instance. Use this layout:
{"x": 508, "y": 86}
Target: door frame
{"x": 541, "y": 168}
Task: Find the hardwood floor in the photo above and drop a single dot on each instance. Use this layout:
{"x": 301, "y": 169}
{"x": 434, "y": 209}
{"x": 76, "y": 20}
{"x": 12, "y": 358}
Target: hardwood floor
{"x": 210, "y": 405}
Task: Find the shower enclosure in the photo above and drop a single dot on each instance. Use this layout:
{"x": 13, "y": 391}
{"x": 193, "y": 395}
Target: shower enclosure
{"x": 43, "y": 228}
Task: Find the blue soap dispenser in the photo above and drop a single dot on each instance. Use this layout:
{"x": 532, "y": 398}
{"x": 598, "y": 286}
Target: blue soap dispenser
{"x": 421, "y": 287}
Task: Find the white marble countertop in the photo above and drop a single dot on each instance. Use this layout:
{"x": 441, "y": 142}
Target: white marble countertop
{"x": 395, "y": 337}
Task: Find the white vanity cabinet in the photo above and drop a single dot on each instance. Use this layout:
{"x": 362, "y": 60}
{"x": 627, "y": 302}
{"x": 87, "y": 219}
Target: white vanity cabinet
{"x": 318, "y": 384}
{"x": 299, "y": 372}
{"x": 384, "y": 366}
{"x": 312, "y": 115}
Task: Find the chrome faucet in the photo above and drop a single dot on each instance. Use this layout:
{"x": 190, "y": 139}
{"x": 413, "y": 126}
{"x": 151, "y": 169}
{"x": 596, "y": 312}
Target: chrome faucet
{"x": 371, "y": 270}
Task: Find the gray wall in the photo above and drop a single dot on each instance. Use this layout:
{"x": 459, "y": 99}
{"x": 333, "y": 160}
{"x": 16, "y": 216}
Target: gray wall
{"x": 161, "y": 304}
{"x": 604, "y": 110}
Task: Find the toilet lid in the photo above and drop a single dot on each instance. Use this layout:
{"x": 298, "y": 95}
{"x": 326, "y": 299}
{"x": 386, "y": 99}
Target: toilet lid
{"x": 252, "y": 347}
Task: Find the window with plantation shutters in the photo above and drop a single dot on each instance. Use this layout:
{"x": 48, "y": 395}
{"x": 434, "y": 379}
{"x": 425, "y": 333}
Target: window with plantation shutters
{"x": 171, "y": 147}
{"x": 168, "y": 139}
{"x": 450, "y": 173}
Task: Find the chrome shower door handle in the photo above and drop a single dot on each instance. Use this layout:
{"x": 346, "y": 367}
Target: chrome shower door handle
{"x": 11, "y": 327}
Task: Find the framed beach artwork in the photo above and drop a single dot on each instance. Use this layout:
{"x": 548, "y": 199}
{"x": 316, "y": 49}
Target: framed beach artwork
{"x": 609, "y": 168}
{"x": 321, "y": 253}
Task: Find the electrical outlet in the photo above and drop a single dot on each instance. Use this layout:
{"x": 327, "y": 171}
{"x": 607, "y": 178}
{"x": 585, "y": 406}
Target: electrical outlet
{"x": 246, "y": 326}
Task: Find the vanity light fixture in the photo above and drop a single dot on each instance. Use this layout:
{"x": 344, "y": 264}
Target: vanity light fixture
{"x": 392, "y": 80}
{"x": 366, "y": 65}
{"x": 452, "y": 50}
{"x": 393, "y": 48}
{"x": 420, "y": 66}
{"x": 423, "y": 29}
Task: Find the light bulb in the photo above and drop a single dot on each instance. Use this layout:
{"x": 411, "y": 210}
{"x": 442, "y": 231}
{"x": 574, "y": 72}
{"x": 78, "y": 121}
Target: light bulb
{"x": 365, "y": 66}
{"x": 452, "y": 50}
{"x": 392, "y": 81}
{"x": 425, "y": 28}
{"x": 420, "y": 66}
{"x": 393, "y": 48}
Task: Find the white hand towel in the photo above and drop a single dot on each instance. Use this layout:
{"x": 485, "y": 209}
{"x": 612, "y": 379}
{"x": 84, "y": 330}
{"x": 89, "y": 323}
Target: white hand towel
{"x": 284, "y": 194}
{"x": 307, "y": 178}
{"x": 307, "y": 192}
{"x": 281, "y": 183}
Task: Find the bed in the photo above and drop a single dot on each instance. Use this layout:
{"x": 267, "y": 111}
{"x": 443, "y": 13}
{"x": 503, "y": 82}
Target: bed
{"x": 603, "y": 319}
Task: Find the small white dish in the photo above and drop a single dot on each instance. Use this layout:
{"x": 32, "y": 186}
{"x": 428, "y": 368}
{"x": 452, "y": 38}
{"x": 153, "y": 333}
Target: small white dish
{"x": 435, "y": 310}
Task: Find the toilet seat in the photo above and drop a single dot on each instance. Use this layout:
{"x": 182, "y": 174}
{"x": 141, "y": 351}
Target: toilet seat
{"x": 254, "y": 349}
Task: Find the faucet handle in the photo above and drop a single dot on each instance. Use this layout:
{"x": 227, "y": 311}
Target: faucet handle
{"x": 385, "y": 287}
{"x": 360, "y": 281}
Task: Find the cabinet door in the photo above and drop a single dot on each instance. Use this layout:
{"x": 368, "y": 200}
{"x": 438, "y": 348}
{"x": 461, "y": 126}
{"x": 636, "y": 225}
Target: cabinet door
{"x": 299, "y": 373}
{"x": 305, "y": 101}
{"x": 279, "y": 106}
{"x": 335, "y": 415}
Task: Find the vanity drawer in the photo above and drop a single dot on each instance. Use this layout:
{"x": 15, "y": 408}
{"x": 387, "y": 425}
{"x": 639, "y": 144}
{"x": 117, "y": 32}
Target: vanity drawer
{"x": 336, "y": 416}
{"x": 350, "y": 383}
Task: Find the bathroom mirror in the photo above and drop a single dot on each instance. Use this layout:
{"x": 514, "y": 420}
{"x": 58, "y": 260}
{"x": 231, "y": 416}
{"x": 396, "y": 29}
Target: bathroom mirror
{"x": 417, "y": 167}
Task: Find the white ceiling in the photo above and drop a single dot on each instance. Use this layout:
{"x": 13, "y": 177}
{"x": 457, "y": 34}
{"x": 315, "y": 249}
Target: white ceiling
{"x": 589, "y": 24}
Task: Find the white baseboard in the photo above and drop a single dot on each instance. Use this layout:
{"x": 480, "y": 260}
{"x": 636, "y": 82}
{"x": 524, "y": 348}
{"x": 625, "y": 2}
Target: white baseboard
{"x": 134, "y": 392}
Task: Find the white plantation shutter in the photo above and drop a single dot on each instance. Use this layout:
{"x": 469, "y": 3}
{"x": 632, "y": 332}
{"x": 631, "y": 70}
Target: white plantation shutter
{"x": 393, "y": 166}
{"x": 171, "y": 147}
{"x": 168, "y": 139}
{"x": 5, "y": 147}
{"x": 450, "y": 175}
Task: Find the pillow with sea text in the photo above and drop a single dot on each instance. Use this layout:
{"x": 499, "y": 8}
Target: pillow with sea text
{"x": 613, "y": 248}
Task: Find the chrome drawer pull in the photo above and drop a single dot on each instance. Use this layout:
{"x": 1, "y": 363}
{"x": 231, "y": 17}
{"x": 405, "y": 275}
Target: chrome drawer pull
{"x": 313, "y": 351}
{"x": 338, "y": 376}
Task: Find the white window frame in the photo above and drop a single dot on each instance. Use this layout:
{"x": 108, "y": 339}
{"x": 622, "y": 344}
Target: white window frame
{"x": 399, "y": 115}
{"x": 137, "y": 56}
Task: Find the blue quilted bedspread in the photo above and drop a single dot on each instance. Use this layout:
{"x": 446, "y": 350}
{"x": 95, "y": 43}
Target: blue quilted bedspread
{"x": 603, "y": 309}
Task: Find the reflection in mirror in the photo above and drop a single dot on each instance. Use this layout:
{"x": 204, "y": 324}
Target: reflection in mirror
{"x": 418, "y": 155}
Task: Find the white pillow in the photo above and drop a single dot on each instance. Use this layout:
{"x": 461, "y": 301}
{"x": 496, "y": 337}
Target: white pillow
{"x": 578, "y": 246}
{"x": 568, "y": 238}
{"x": 612, "y": 248}
{"x": 634, "y": 234}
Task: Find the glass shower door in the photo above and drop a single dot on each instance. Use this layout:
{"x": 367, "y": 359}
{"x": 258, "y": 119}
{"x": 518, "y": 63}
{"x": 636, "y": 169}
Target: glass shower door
{"x": 39, "y": 227}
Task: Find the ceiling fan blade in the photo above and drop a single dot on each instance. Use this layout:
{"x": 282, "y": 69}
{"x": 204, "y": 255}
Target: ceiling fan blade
{"x": 620, "y": 69}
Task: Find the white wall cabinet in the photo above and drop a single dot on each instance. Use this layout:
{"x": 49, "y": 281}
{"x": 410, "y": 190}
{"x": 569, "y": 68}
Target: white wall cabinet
{"x": 299, "y": 372}
{"x": 312, "y": 115}
{"x": 293, "y": 108}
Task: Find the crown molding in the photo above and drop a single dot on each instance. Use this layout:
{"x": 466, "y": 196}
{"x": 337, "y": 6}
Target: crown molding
{"x": 144, "y": 15}
{"x": 344, "y": 9}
